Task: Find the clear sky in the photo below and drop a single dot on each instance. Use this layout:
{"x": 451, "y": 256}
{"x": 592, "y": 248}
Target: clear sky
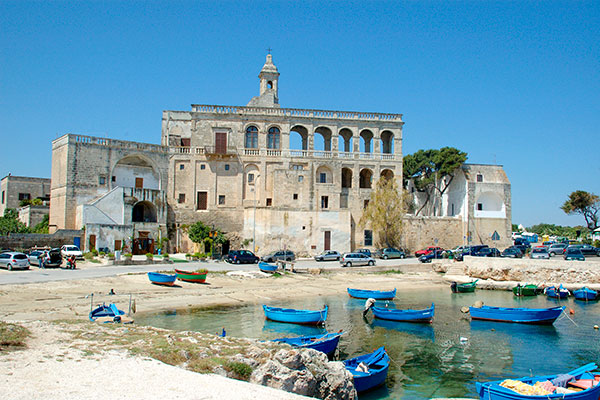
{"x": 515, "y": 83}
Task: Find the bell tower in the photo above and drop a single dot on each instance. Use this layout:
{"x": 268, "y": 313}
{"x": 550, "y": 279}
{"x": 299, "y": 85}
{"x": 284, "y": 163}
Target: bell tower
{"x": 269, "y": 86}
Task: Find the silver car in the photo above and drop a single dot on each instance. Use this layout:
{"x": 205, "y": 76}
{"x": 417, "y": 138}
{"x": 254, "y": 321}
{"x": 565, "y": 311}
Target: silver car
{"x": 540, "y": 253}
{"x": 328, "y": 255}
{"x": 13, "y": 259}
{"x": 351, "y": 259}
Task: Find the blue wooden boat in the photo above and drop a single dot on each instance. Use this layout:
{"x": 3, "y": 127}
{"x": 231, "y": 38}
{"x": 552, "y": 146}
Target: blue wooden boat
{"x": 110, "y": 313}
{"x": 162, "y": 279}
{"x": 266, "y": 267}
{"x": 372, "y": 294}
{"x": 554, "y": 292}
{"x": 583, "y": 378}
{"x": 585, "y": 294}
{"x": 540, "y": 316}
{"x": 325, "y": 343}
{"x": 305, "y": 317}
{"x": 393, "y": 314}
{"x": 377, "y": 363}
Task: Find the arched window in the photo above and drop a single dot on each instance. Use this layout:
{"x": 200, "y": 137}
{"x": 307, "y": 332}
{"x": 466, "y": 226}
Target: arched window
{"x": 273, "y": 138}
{"x": 143, "y": 211}
{"x": 251, "y": 137}
{"x": 365, "y": 178}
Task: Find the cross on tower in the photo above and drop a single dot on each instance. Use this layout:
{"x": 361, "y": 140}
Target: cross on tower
{"x": 269, "y": 50}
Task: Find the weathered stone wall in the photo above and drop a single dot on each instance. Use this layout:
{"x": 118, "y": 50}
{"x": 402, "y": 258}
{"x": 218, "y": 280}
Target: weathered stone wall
{"x": 28, "y": 240}
{"x": 11, "y": 186}
{"x": 420, "y": 232}
{"x": 33, "y": 215}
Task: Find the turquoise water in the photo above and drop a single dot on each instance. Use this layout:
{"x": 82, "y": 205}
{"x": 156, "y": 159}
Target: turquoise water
{"x": 427, "y": 360}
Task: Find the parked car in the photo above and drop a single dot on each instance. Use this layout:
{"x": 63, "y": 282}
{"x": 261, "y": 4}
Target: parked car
{"x": 390, "y": 252}
{"x": 557, "y": 248}
{"x": 587, "y": 250}
{"x": 522, "y": 248}
{"x": 573, "y": 253}
{"x": 473, "y": 249}
{"x": 427, "y": 250}
{"x": 364, "y": 251}
{"x": 511, "y": 252}
{"x": 328, "y": 255}
{"x": 286, "y": 255}
{"x": 71, "y": 250}
{"x": 488, "y": 252}
{"x": 13, "y": 260}
{"x": 241, "y": 257}
{"x": 540, "y": 253}
{"x": 427, "y": 258}
{"x": 355, "y": 259}
{"x": 55, "y": 257}
{"x": 522, "y": 242}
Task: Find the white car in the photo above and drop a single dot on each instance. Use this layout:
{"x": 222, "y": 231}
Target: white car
{"x": 70, "y": 250}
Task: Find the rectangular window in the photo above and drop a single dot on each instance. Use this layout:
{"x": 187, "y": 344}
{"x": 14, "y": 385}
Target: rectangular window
{"x": 202, "y": 166}
{"x": 322, "y": 177}
{"x": 250, "y": 178}
{"x": 181, "y": 198}
{"x": 269, "y": 202}
{"x": 202, "y": 201}
{"x": 221, "y": 199}
{"x": 139, "y": 183}
{"x": 479, "y": 207}
{"x": 368, "y": 238}
{"x": 452, "y": 214}
{"x": 324, "y": 202}
{"x": 300, "y": 178}
{"x": 181, "y": 166}
{"x": 185, "y": 142}
{"x": 343, "y": 201}
{"x": 295, "y": 196}
{"x": 24, "y": 196}
{"x": 114, "y": 178}
{"x": 226, "y": 167}
{"x": 297, "y": 167}
{"x": 365, "y": 203}
{"x": 479, "y": 178}
{"x": 102, "y": 180}
{"x": 3, "y": 196}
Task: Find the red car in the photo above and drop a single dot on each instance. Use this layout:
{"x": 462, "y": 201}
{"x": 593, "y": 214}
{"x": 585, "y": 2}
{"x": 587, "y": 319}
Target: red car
{"x": 426, "y": 251}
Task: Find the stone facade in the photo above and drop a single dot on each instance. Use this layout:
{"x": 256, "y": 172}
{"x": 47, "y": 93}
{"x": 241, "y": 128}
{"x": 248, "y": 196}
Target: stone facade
{"x": 13, "y": 189}
{"x": 33, "y": 215}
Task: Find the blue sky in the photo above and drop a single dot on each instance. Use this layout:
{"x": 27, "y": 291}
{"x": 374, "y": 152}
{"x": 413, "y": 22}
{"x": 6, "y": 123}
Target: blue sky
{"x": 510, "y": 82}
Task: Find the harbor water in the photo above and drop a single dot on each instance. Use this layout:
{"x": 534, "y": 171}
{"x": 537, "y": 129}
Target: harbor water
{"x": 442, "y": 359}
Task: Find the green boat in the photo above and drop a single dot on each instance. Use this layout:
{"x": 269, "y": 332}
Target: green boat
{"x": 464, "y": 287}
{"x": 527, "y": 290}
{"x": 191, "y": 276}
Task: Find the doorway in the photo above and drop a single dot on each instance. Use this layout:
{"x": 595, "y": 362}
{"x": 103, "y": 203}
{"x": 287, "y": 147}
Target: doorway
{"x": 327, "y": 240}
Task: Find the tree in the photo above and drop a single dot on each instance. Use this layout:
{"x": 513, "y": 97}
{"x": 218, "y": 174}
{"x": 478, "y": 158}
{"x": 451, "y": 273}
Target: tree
{"x": 10, "y": 223}
{"x": 384, "y": 213}
{"x": 42, "y": 227}
{"x": 201, "y": 233}
{"x": 586, "y": 204}
{"x": 427, "y": 168}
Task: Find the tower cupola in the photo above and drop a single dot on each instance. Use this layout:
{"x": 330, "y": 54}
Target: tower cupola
{"x": 269, "y": 86}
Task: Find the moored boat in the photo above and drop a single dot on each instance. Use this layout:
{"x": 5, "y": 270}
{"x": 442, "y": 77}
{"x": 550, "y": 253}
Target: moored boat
{"x": 325, "y": 343}
{"x": 162, "y": 279}
{"x": 554, "y": 292}
{"x": 369, "y": 370}
{"x": 540, "y": 316}
{"x": 372, "y": 294}
{"x": 266, "y": 267}
{"x": 109, "y": 313}
{"x": 580, "y": 384}
{"x": 468, "y": 287}
{"x": 191, "y": 276}
{"x": 291, "y": 315}
{"x": 585, "y": 294}
{"x": 392, "y": 314}
{"x": 525, "y": 290}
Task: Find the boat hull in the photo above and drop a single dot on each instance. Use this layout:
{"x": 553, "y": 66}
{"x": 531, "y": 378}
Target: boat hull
{"x": 293, "y": 316}
{"x": 372, "y": 294}
{"x": 188, "y": 276}
{"x": 364, "y": 381}
{"x": 585, "y": 294}
{"x": 325, "y": 343}
{"x": 162, "y": 279}
{"x": 463, "y": 287}
{"x": 527, "y": 290}
{"x": 109, "y": 314}
{"x": 390, "y": 314}
{"x": 266, "y": 267}
{"x": 539, "y": 316}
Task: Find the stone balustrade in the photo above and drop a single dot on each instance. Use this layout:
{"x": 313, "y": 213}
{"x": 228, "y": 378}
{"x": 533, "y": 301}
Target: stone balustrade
{"x": 83, "y": 139}
{"x": 289, "y": 153}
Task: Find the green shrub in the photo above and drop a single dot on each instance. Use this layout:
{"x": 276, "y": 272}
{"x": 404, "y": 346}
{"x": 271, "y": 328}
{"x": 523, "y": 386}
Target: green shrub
{"x": 149, "y": 256}
{"x": 94, "y": 252}
{"x": 88, "y": 256}
{"x": 596, "y": 243}
{"x": 187, "y": 255}
{"x": 111, "y": 255}
{"x": 166, "y": 255}
{"x": 102, "y": 253}
{"x": 240, "y": 370}
{"x": 128, "y": 255}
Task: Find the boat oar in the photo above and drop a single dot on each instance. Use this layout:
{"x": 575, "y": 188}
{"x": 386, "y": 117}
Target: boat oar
{"x": 581, "y": 370}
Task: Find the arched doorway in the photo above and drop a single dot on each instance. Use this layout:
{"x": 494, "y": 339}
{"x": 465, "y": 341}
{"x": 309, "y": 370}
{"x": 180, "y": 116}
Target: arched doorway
{"x": 366, "y": 178}
{"x": 143, "y": 211}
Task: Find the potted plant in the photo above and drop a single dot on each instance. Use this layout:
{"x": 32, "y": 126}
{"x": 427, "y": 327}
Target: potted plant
{"x": 188, "y": 256}
{"x": 110, "y": 256}
{"x": 101, "y": 254}
{"x": 127, "y": 256}
{"x": 166, "y": 257}
{"x": 149, "y": 256}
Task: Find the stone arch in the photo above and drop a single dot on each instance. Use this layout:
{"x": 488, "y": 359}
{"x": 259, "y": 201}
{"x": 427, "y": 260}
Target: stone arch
{"x": 299, "y": 138}
{"x": 324, "y": 175}
{"x": 251, "y": 175}
{"x": 367, "y": 141}
{"x": 325, "y": 133}
{"x": 251, "y": 137}
{"x": 387, "y": 142}
{"x": 144, "y": 211}
{"x": 132, "y": 166}
{"x": 346, "y": 177}
{"x": 387, "y": 174}
{"x": 366, "y": 178}
{"x": 274, "y": 138}
{"x": 346, "y": 135}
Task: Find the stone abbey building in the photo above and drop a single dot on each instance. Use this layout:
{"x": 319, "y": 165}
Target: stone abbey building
{"x": 279, "y": 177}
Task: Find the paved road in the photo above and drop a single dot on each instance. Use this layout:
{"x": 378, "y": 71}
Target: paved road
{"x": 89, "y": 271}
